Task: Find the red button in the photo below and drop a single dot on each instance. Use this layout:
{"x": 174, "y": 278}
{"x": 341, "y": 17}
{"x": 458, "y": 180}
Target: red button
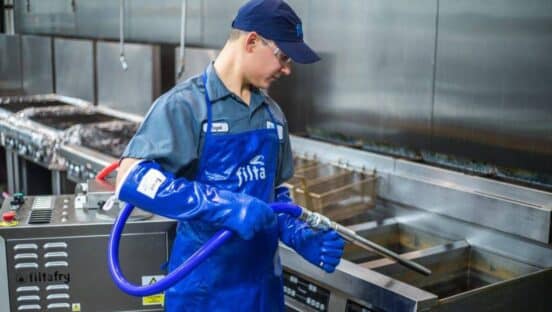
{"x": 8, "y": 216}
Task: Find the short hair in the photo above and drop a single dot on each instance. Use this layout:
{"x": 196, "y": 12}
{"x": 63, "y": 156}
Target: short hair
{"x": 235, "y": 34}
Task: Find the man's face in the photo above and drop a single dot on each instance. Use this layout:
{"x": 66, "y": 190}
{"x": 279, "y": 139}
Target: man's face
{"x": 266, "y": 63}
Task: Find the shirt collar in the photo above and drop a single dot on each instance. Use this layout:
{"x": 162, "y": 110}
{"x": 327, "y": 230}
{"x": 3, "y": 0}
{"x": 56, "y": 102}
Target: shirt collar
{"x": 217, "y": 89}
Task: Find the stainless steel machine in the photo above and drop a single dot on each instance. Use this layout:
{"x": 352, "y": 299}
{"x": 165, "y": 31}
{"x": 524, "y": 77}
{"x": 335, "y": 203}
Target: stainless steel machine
{"x": 98, "y": 146}
{"x": 34, "y": 127}
{"x": 457, "y": 225}
{"x": 53, "y": 253}
{"x": 21, "y": 151}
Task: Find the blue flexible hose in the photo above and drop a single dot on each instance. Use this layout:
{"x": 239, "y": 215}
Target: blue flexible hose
{"x": 185, "y": 268}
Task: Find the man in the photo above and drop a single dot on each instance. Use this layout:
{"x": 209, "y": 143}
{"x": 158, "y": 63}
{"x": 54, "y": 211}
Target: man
{"x": 210, "y": 154}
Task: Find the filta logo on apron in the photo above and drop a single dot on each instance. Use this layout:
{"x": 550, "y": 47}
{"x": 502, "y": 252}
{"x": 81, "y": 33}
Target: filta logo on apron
{"x": 254, "y": 171}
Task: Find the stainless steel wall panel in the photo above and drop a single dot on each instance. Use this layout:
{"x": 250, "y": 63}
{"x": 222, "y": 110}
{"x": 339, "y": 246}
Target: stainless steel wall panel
{"x": 461, "y": 78}
{"x": 375, "y": 79}
{"x": 74, "y": 68}
{"x": 131, "y": 91}
{"x": 217, "y": 21}
{"x": 7, "y": 21}
{"x": 10, "y": 65}
{"x": 493, "y": 78}
{"x": 145, "y": 21}
{"x": 36, "y": 57}
{"x": 296, "y": 93}
{"x": 208, "y": 21}
{"x": 195, "y": 61}
{"x": 87, "y": 19}
{"x": 148, "y": 21}
{"x": 45, "y": 17}
{"x": 147, "y": 18}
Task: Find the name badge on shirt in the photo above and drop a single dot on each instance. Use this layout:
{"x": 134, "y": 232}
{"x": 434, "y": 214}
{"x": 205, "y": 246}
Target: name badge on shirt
{"x": 279, "y": 129}
{"x": 216, "y": 127}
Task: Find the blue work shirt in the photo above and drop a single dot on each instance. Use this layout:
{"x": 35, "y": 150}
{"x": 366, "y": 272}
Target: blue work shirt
{"x": 173, "y": 131}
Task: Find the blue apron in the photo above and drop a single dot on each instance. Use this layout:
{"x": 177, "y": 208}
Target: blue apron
{"x": 242, "y": 275}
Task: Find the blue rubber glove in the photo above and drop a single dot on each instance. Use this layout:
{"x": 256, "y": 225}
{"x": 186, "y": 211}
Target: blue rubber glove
{"x": 282, "y": 195}
{"x": 149, "y": 187}
{"x": 321, "y": 248}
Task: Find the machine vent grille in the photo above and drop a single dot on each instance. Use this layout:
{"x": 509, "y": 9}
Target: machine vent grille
{"x": 40, "y": 216}
{"x": 42, "y": 202}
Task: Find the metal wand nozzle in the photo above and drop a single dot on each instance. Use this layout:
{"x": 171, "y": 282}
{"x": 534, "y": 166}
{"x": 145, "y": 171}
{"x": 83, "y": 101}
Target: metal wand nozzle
{"x": 321, "y": 222}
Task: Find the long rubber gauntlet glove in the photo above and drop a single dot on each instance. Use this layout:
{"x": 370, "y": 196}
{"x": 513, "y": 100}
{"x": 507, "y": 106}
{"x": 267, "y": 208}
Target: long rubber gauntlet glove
{"x": 149, "y": 187}
{"x": 321, "y": 248}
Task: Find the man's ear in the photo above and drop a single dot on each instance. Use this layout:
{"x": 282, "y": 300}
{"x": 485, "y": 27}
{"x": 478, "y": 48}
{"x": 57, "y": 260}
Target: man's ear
{"x": 251, "y": 41}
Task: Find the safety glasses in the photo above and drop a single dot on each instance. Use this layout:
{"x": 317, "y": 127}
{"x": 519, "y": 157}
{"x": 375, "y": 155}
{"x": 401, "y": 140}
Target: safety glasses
{"x": 281, "y": 56}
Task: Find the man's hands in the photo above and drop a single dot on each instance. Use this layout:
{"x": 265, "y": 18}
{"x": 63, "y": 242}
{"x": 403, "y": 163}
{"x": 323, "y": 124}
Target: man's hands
{"x": 321, "y": 248}
{"x": 248, "y": 219}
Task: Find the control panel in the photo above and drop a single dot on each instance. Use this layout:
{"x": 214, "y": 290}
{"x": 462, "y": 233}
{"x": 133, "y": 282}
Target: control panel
{"x": 306, "y": 292}
{"x": 38, "y": 210}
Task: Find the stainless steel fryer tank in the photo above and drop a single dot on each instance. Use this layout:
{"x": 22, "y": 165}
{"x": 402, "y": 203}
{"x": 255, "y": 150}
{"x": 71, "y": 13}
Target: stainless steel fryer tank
{"x": 432, "y": 216}
{"x": 33, "y": 128}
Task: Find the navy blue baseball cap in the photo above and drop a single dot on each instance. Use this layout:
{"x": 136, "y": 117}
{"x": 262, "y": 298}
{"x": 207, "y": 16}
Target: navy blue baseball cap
{"x": 276, "y": 21}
